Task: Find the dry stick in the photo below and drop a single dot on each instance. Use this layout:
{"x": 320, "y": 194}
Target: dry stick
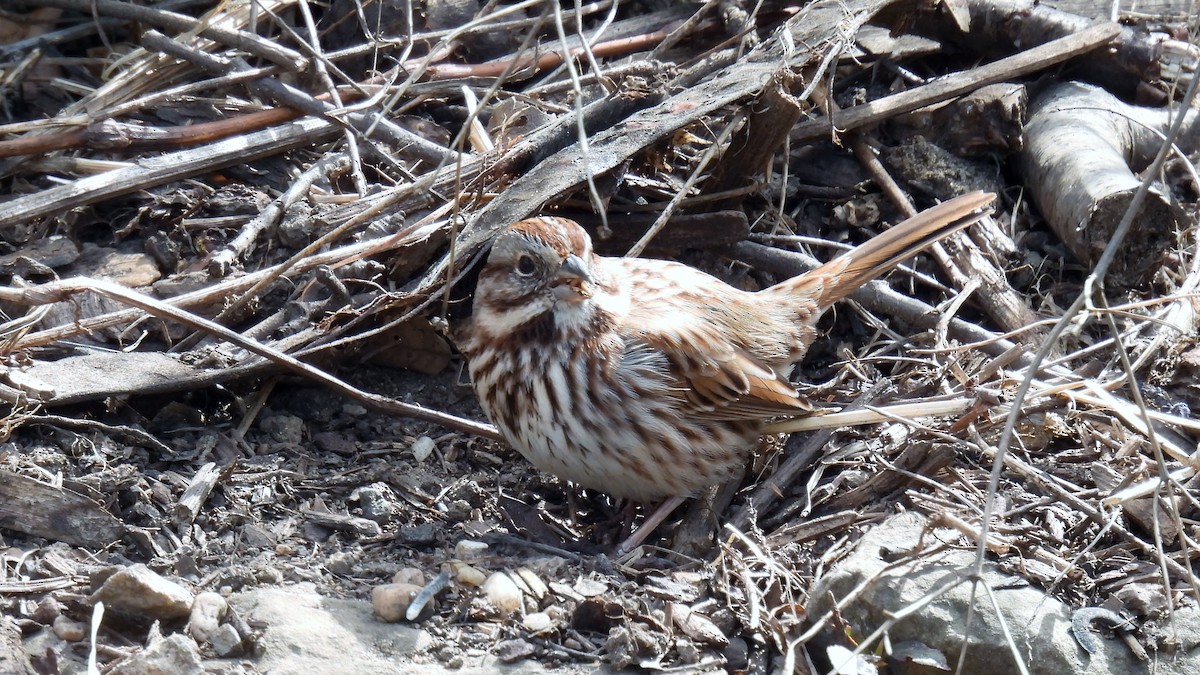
{"x": 62, "y": 290}
{"x": 179, "y": 23}
{"x": 683, "y": 30}
{"x": 409, "y": 143}
{"x": 151, "y": 171}
{"x": 1096, "y": 277}
{"x": 298, "y": 259}
{"x": 548, "y": 176}
{"x": 206, "y": 295}
{"x": 108, "y": 134}
{"x": 999, "y": 300}
{"x": 320, "y": 65}
{"x": 661, "y": 221}
{"x": 1029, "y": 61}
{"x": 223, "y": 260}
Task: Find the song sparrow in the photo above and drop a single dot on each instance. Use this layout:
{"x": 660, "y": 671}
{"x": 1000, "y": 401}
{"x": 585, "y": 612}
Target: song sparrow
{"x": 649, "y": 379}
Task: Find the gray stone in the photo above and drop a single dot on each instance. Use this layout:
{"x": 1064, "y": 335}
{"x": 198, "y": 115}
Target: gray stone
{"x": 1040, "y": 625}
{"x": 174, "y": 655}
{"x": 140, "y": 592}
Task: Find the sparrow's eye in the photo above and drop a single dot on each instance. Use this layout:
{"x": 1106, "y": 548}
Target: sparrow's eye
{"x": 526, "y": 266}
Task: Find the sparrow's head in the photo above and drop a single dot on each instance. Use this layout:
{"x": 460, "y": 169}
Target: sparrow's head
{"x": 538, "y": 269}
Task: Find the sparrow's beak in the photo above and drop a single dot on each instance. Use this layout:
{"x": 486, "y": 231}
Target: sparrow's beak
{"x": 573, "y": 282}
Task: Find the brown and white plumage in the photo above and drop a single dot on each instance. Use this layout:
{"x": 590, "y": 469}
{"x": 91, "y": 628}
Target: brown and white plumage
{"x": 647, "y": 378}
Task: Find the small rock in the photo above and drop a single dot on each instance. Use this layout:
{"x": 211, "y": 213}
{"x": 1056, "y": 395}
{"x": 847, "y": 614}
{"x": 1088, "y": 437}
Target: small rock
{"x": 283, "y": 428}
{"x": 417, "y": 535}
{"x": 537, "y": 588}
{"x": 422, "y": 448}
{"x": 502, "y": 593}
{"x": 226, "y": 643}
{"x": 511, "y": 651}
{"x": 140, "y": 592}
{"x": 176, "y": 654}
{"x": 390, "y": 601}
{"x": 459, "y": 509}
{"x": 590, "y": 588}
{"x": 66, "y": 629}
{"x": 409, "y": 575}
{"x": 128, "y": 269}
{"x": 688, "y": 652}
{"x": 737, "y": 654}
{"x": 377, "y": 501}
{"x": 47, "y": 610}
{"x": 468, "y": 575}
{"x": 207, "y": 611}
{"x": 335, "y": 442}
{"x": 634, "y": 643}
{"x": 538, "y": 622}
{"x": 341, "y": 563}
{"x": 468, "y": 549}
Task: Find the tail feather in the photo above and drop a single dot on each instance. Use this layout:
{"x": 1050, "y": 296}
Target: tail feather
{"x": 841, "y": 276}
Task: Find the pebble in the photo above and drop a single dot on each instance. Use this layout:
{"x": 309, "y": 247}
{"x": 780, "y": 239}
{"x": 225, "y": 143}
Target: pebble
{"x": 226, "y": 642}
{"x": 409, "y": 575}
{"x": 469, "y": 549}
{"x": 207, "y": 610}
{"x": 283, "y": 428}
{"x": 417, "y": 535}
{"x": 538, "y": 622}
{"x": 138, "y": 591}
{"x": 511, "y": 651}
{"x": 503, "y": 593}
{"x": 66, "y": 629}
{"x": 176, "y": 654}
{"x": 468, "y": 575}
{"x": 422, "y": 448}
{"x": 47, "y": 610}
{"x": 390, "y": 601}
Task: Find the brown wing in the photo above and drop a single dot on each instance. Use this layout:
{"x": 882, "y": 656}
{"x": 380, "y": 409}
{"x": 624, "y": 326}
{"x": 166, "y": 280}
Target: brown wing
{"x": 692, "y": 319}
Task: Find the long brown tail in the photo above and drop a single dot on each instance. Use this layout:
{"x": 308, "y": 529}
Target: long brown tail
{"x": 841, "y": 276}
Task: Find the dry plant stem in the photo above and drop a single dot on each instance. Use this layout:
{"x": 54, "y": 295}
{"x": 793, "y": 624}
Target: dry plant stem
{"x": 1032, "y": 60}
{"x": 1039, "y": 478}
{"x": 1160, "y": 461}
{"x": 199, "y": 297}
{"x": 756, "y": 143}
{"x": 1094, "y": 283}
{"x": 661, "y": 221}
{"x": 151, "y": 171}
{"x": 322, "y": 66}
{"x": 62, "y": 290}
{"x": 179, "y": 23}
{"x": 109, "y": 134}
{"x": 1137, "y": 56}
{"x": 683, "y": 30}
{"x": 999, "y": 300}
{"x": 137, "y": 435}
{"x": 543, "y": 61}
{"x": 365, "y": 123}
{"x": 29, "y": 44}
{"x": 223, "y": 260}
{"x": 560, "y": 171}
